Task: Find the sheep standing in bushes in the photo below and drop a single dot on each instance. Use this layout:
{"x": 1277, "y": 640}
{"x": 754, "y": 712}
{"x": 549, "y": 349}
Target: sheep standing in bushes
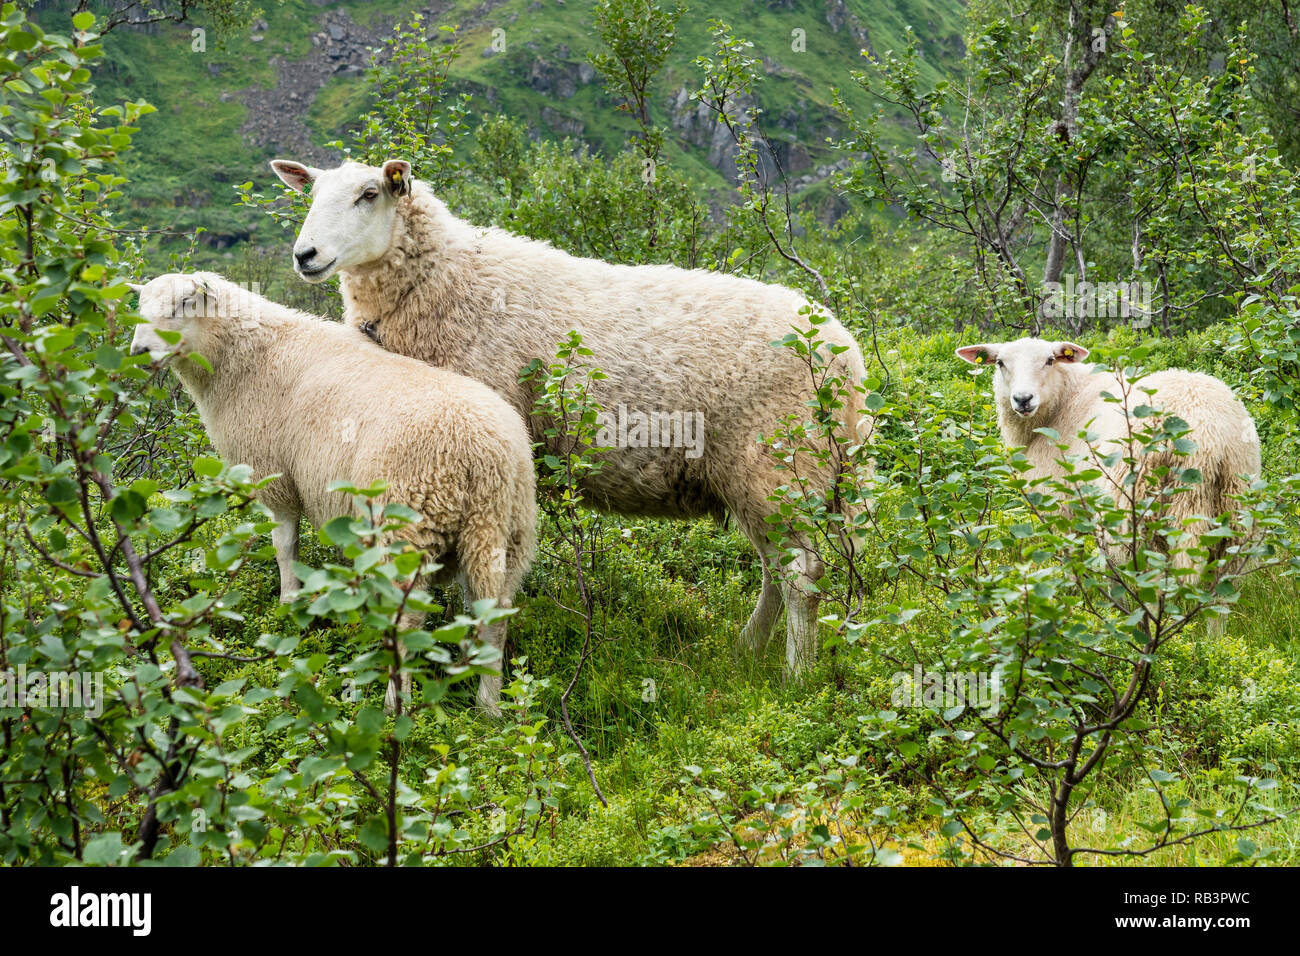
{"x": 317, "y": 402}
{"x": 1039, "y": 384}
{"x": 671, "y": 342}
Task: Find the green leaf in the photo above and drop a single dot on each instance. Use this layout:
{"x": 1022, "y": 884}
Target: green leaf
{"x": 104, "y": 850}
{"x": 338, "y": 532}
{"x": 62, "y": 492}
{"x": 370, "y": 720}
{"x": 20, "y": 40}
{"x": 182, "y": 856}
{"x": 207, "y": 467}
{"x": 200, "y": 361}
{"x": 408, "y": 562}
{"x": 109, "y": 358}
{"x": 374, "y": 834}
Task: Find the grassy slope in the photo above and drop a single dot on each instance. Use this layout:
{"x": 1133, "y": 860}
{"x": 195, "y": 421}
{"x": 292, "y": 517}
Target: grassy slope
{"x": 682, "y": 590}
{"x": 1214, "y": 701}
{"x": 191, "y": 151}
{"x": 685, "y": 589}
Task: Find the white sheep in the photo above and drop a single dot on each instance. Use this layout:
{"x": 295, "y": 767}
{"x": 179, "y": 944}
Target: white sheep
{"x": 486, "y": 303}
{"x": 1039, "y": 384}
{"x": 317, "y": 402}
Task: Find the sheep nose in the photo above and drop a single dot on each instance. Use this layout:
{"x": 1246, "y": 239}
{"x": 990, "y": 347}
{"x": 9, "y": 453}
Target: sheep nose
{"x": 138, "y": 350}
{"x": 305, "y": 256}
{"x": 1023, "y": 399}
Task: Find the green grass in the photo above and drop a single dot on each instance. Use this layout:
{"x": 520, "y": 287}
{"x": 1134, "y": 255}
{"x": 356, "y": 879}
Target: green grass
{"x": 679, "y": 593}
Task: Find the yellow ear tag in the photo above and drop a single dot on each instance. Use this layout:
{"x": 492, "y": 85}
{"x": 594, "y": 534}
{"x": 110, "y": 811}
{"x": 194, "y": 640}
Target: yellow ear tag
{"x": 1068, "y": 353}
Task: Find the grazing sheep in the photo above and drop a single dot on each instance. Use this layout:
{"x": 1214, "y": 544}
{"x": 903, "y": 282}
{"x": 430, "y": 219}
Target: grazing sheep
{"x": 1042, "y": 384}
{"x": 671, "y": 341}
{"x": 317, "y": 402}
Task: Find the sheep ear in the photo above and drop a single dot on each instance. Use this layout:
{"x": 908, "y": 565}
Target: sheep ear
{"x": 135, "y": 287}
{"x": 294, "y": 175}
{"x": 397, "y": 177}
{"x": 1069, "y": 352}
{"x": 978, "y": 354}
{"x": 203, "y": 297}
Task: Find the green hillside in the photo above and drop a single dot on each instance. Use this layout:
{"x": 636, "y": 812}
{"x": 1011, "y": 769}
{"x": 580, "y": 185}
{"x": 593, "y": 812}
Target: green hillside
{"x": 294, "y": 80}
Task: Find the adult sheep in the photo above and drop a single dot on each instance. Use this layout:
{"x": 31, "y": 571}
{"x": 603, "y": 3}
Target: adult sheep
{"x": 670, "y": 341}
{"x": 1040, "y": 384}
{"x": 317, "y": 402}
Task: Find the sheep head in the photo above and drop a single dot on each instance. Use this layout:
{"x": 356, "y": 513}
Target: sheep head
{"x": 353, "y": 209}
{"x": 1029, "y": 375}
{"x": 170, "y": 304}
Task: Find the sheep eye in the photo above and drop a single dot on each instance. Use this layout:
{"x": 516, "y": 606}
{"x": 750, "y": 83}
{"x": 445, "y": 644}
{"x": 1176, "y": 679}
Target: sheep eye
{"x": 1051, "y": 361}
{"x": 369, "y": 194}
{"x": 1000, "y": 365}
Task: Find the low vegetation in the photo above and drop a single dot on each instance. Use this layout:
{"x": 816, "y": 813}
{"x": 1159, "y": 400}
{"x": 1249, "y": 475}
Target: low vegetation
{"x": 1103, "y": 721}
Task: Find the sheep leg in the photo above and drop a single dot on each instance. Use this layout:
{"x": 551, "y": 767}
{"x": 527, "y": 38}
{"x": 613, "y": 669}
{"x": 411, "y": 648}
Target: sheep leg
{"x": 757, "y": 632}
{"x": 801, "y": 601}
{"x": 1216, "y": 625}
{"x": 407, "y": 622}
{"x": 393, "y": 694}
{"x": 484, "y": 561}
{"x": 285, "y": 538}
{"x": 489, "y": 687}
{"x": 494, "y": 635}
{"x": 434, "y": 546}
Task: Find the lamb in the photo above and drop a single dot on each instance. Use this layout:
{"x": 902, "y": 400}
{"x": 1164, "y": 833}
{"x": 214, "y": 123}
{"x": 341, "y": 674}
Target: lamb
{"x": 1041, "y": 384}
{"x": 317, "y": 402}
{"x": 486, "y": 303}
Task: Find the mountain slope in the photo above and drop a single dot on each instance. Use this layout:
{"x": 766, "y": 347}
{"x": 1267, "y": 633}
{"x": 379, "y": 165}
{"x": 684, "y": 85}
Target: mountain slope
{"x": 294, "y": 81}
